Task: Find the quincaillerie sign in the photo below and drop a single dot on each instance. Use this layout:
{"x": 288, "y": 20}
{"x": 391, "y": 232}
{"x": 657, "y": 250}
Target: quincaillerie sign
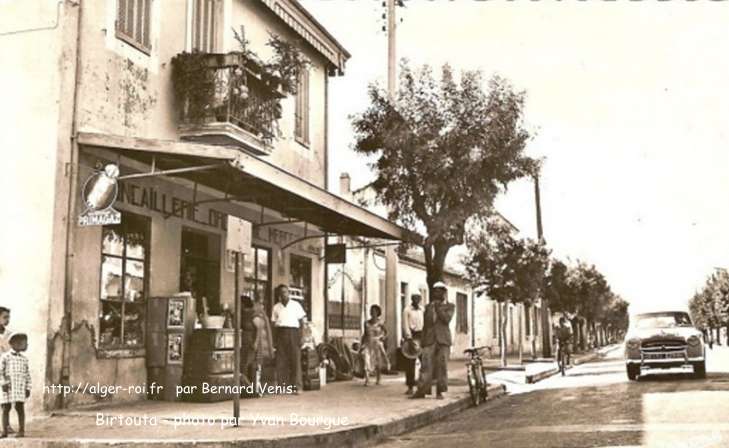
{"x": 98, "y": 195}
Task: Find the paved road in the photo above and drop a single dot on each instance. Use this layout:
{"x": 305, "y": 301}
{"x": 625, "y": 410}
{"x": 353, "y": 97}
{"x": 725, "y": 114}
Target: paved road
{"x": 596, "y": 406}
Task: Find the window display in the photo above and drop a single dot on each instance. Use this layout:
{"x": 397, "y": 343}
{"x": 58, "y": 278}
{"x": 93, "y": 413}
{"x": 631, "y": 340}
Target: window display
{"x": 123, "y": 283}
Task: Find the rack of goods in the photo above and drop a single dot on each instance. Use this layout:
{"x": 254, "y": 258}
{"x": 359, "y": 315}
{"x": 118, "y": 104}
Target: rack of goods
{"x": 210, "y": 362}
{"x": 170, "y": 324}
{"x": 310, "y": 369}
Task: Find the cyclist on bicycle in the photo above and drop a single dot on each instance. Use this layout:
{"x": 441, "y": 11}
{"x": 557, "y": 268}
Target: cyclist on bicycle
{"x": 564, "y": 338}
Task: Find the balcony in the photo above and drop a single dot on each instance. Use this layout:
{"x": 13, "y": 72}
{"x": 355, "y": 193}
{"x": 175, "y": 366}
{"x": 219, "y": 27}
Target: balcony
{"x": 225, "y": 99}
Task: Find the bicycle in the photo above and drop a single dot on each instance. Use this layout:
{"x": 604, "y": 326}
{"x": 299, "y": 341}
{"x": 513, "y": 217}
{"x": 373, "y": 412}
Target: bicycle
{"x": 476, "y": 375}
{"x": 563, "y": 356}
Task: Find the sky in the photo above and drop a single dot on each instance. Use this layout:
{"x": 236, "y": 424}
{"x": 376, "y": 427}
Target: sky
{"x": 628, "y": 104}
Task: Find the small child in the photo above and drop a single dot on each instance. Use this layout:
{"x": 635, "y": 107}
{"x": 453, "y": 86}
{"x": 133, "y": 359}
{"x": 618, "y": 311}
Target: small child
{"x": 15, "y": 382}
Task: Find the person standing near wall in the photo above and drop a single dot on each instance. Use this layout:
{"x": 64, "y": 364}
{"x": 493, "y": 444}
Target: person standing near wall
{"x": 288, "y": 318}
{"x": 437, "y": 341}
{"x": 412, "y": 330}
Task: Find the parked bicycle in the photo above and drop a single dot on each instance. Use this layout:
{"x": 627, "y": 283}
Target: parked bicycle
{"x": 477, "y": 384}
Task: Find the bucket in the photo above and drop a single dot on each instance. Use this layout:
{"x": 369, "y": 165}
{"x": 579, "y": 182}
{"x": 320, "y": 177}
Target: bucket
{"x": 213, "y": 321}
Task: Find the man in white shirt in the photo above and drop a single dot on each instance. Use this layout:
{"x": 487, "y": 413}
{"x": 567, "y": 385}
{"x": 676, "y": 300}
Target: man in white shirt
{"x": 288, "y": 318}
{"x": 412, "y": 328}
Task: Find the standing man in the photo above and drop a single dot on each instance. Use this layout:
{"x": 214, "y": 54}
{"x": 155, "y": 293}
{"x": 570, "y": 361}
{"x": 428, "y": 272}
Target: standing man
{"x": 412, "y": 330}
{"x": 288, "y": 318}
{"x": 436, "y": 342}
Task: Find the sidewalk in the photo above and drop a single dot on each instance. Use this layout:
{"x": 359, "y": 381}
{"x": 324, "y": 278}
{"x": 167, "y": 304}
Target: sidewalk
{"x": 340, "y": 414}
{"x": 532, "y": 371}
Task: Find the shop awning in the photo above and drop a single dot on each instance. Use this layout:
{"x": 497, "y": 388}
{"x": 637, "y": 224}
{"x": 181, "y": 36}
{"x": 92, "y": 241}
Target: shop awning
{"x": 250, "y": 179}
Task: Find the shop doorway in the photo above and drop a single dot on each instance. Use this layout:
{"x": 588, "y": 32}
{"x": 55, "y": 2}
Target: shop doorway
{"x": 300, "y": 281}
{"x": 200, "y": 268}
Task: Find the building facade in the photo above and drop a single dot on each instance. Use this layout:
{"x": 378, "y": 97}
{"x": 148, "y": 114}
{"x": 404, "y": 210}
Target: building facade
{"x": 98, "y": 87}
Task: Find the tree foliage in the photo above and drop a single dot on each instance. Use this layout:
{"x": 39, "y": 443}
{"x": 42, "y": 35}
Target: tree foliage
{"x": 709, "y": 307}
{"x": 508, "y": 269}
{"x": 445, "y": 148}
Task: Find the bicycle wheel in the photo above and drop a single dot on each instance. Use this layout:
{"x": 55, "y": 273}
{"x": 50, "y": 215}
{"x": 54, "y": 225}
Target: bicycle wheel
{"x": 473, "y": 385}
{"x": 484, "y": 384}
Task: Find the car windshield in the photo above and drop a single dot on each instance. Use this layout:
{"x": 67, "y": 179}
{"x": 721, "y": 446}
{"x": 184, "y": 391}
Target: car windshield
{"x": 662, "y": 320}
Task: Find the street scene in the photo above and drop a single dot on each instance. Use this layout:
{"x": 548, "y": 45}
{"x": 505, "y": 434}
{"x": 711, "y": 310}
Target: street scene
{"x": 596, "y": 405}
{"x": 396, "y": 223}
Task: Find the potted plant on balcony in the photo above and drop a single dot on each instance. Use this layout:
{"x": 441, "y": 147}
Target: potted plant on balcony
{"x": 238, "y": 87}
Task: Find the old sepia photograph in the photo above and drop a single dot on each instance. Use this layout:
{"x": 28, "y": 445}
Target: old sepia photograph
{"x": 364, "y": 223}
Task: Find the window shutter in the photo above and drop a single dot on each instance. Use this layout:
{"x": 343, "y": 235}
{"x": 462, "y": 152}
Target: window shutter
{"x": 146, "y": 24}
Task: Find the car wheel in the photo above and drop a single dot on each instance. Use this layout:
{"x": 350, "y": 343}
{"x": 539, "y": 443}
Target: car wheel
{"x": 633, "y": 371}
{"x": 700, "y": 369}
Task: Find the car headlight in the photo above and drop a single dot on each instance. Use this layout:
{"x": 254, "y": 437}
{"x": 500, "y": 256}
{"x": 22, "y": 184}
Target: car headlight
{"x": 633, "y": 343}
{"x": 694, "y": 340}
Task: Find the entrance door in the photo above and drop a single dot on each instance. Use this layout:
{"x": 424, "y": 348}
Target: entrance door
{"x": 300, "y": 281}
{"x": 200, "y": 268}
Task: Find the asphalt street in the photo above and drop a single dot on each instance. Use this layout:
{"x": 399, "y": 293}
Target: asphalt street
{"x": 595, "y": 405}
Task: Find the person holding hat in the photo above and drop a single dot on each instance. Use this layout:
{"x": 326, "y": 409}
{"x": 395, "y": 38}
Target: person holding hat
{"x": 14, "y": 382}
{"x": 412, "y": 330}
{"x": 437, "y": 341}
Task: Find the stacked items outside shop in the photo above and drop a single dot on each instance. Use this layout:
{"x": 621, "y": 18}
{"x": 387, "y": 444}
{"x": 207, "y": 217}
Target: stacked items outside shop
{"x": 210, "y": 360}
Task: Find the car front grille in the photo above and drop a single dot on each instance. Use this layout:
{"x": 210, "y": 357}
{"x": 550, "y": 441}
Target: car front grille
{"x": 664, "y": 345}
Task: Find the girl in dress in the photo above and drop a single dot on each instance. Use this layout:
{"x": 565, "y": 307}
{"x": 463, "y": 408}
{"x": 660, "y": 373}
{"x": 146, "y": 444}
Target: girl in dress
{"x": 372, "y": 346}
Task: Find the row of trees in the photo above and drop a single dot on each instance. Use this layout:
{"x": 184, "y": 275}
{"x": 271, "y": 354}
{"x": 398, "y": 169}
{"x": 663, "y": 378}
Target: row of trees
{"x": 709, "y": 307}
{"x": 443, "y": 147}
{"x": 517, "y": 270}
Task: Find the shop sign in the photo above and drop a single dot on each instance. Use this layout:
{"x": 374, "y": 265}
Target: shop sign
{"x": 169, "y": 205}
{"x": 99, "y": 194}
{"x": 239, "y": 235}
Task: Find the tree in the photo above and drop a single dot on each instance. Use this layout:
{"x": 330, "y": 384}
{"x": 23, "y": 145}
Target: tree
{"x": 508, "y": 269}
{"x": 444, "y": 150}
{"x": 709, "y": 307}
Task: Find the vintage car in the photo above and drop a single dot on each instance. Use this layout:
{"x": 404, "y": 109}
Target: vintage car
{"x": 663, "y": 340}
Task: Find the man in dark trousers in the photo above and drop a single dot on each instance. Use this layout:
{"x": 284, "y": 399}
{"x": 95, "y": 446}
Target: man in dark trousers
{"x": 412, "y": 330}
{"x": 288, "y": 318}
{"x": 436, "y": 342}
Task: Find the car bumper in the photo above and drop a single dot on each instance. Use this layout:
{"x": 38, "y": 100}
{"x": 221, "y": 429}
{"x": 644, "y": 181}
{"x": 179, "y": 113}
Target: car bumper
{"x": 665, "y": 363}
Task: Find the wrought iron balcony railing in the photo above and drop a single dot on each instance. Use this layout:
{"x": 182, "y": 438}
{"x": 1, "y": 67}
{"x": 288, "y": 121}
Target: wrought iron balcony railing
{"x": 225, "y": 99}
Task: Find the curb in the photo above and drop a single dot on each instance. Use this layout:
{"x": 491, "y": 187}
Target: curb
{"x": 359, "y": 436}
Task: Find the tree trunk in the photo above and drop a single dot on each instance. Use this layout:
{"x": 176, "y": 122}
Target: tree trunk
{"x": 504, "y": 319}
{"x": 718, "y": 335}
{"x": 435, "y": 256}
{"x": 518, "y": 322}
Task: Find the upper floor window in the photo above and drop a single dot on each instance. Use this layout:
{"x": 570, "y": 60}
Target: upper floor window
{"x": 133, "y": 23}
{"x": 204, "y": 25}
{"x": 301, "y": 131}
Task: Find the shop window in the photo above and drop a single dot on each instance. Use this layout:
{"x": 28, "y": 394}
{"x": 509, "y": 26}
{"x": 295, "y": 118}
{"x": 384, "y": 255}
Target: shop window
{"x": 204, "y": 25}
{"x": 123, "y": 289}
{"x": 257, "y": 276}
{"x": 133, "y": 23}
{"x": 301, "y": 131}
{"x": 200, "y": 269}
{"x": 300, "y": 282}
{"x": 461, "y": 312}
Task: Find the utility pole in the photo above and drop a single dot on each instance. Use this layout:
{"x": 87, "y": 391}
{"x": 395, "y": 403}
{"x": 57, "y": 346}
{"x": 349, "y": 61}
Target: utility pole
{"x": 391, "y": 55}
{"x": 546, "y": 321}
